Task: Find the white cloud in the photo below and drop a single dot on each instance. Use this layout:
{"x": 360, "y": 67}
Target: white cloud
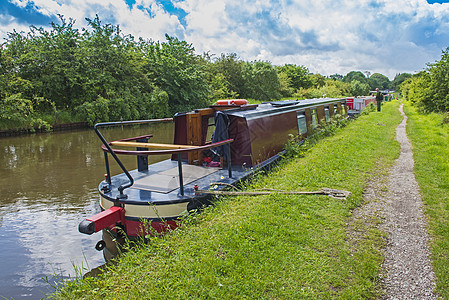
{"x": 386, "y": 36}
{"x": 153, "y": 22}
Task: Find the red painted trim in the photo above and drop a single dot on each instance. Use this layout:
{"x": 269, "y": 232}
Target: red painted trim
{"x": 108, "y": 217}
{"x": 137, "y": 228}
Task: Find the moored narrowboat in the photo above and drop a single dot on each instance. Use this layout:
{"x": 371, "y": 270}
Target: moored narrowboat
{"x": 245, "y": 138}
{"x": 357, "y": 104}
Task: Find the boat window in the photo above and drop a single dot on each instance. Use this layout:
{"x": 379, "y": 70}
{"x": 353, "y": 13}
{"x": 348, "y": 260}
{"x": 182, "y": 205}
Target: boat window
{"x": 314, "y": 117}
{"x": 210, "y": 128}
{"x": 327, "y": 114}
{"x": 302, "y": 124}
{"x": 335, "y": 110}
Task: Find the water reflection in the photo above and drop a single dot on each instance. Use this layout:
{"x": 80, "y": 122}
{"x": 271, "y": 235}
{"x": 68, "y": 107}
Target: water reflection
{"x": 48, "y": 184}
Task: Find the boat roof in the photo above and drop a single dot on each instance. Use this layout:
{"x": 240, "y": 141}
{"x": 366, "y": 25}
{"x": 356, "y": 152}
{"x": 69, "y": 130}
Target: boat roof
{"x": 278, "y": 107}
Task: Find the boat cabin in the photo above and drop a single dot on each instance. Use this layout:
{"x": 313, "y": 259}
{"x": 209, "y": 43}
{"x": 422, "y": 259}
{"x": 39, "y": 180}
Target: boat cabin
{"x": 259, "y": 131}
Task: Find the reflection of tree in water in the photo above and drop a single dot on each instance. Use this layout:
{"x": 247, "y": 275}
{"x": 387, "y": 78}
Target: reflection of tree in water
{"x": 65, "y": 165}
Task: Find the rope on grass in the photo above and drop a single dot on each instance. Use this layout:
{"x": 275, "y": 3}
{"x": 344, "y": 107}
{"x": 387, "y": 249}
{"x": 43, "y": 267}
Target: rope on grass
{"x": 223, "y": 183}
{"x": 339, "y": 194}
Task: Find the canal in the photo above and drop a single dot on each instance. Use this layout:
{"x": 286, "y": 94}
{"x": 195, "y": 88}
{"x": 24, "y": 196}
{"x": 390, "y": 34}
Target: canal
{"x": 48, "y": 184}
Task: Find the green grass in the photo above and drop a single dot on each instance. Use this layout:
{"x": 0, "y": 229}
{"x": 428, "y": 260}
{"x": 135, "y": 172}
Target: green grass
{"x": 270, "y": 247}
{"x": 430, "y": 140}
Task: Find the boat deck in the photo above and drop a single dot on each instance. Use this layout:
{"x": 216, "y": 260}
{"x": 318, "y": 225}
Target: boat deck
{"x": 160, "y": 183}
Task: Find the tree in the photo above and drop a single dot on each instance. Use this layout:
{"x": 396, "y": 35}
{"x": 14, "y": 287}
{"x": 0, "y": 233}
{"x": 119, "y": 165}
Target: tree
{"x": 230, "y": 66}
{"x": 4, "y": 72}
{"x": 429, "y": 89}
{"x": 355, "y": 75}
{"x": 113, "y": 66}
{"x": 331, "y": 89}
{"x": 285, "y": 85}
{"x": 318, "y": 80}
{"x": 261, "y": 81}
{"x": 398, "y": 80}
{"x": 336, "y": 76}
{"x": 299, "y": 76}
{"x": 175, "y": 68}
{"x": 439, "y": 84}
{"x": 379, "y": 81}
{"x": 220, "y": 88}
{"x": 417, "y": 90}
{"x": 359, "y": 88}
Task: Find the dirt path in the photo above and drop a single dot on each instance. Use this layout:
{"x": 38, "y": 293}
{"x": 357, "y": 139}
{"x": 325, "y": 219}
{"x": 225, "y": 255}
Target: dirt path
{"x": 409, "y": 273}
{"x": 395, "y": 199}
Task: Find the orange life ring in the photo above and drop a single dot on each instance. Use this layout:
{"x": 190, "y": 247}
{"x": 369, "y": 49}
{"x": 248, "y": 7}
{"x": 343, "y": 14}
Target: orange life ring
{"x": 232, "y": 102}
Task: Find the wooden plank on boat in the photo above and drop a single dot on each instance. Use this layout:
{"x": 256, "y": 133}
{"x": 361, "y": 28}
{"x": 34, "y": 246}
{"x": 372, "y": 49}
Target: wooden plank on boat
{"x": 151, "y": 145}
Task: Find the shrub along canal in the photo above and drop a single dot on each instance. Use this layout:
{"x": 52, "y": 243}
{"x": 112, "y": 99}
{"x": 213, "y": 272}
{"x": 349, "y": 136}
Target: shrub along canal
{"x": 48, "y": 184}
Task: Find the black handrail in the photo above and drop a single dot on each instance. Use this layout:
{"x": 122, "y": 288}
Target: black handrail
{"x": 107, "y": 148}
{"x": 105, "y": 143}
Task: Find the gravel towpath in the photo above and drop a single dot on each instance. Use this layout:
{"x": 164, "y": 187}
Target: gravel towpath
{"x": 408, "y": 271}
{"x": 394, "y": 199}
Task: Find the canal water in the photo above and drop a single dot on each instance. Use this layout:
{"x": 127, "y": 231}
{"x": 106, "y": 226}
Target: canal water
{"x": 48, "y": 184}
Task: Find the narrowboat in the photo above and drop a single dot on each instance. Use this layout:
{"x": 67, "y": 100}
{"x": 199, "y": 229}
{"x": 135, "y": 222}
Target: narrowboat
{"x": 357, "y": 104}
{"x": 245, "y": 138}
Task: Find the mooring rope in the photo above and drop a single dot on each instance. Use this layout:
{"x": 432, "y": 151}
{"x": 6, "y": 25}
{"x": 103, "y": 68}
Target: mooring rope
{"x": 340, "y": 194}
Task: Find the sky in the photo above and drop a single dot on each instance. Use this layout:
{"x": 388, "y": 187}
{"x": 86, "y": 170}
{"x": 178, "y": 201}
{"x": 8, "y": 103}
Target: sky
{"x": 326, "y": 36}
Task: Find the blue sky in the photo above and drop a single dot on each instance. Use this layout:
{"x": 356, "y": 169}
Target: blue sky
{"x": 328, "y": 37}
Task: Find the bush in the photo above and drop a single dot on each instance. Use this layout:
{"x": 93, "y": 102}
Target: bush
{"x": 159, "y": 104}
{"x": 18, "y": 112}
{"x": 446, "y": 118}
{"x": 331, "y": 89}
{"x": 94, "y": 112}
{"x": 359, "y": 88}
{"x": 370, "y": 108}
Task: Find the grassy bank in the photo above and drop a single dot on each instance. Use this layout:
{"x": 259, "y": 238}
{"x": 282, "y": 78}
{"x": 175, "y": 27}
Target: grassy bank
{"x": 270, "y": 247}
{"x": 430, "y": 140}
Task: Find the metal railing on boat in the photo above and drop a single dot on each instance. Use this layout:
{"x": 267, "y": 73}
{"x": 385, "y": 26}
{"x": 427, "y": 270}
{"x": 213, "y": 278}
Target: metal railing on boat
{"x": 162, "y": 149}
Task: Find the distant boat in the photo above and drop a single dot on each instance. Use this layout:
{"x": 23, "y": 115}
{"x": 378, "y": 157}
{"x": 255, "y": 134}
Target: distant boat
{"x": 357, "y": 104}
{"x": 213, "y": 148}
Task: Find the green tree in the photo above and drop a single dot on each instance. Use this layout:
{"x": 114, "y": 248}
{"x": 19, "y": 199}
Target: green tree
{"x": 417, "y": 89}
{"x": 331, "y": 88}
{"x": 175, "y": 68}
{"x": 220, "y": 88}
{"x": 398, "y": 80}
{"x": 378, "y": 80}
{"x": 336, "y": 76}
{"x": 18, "y": 112}
{"x": 18, "y": 56}
{"x": 299, "y": 76}
{"x": 113, "y": 66}
{"x": 359, "y": 88}
{"x": 355, "y": 75}
{"x": 285, "y": 85}
{"x": 261, "y": 81}
{"x": 438, "y": 100}
{"x": 317, "y": 80}
{"x": 230, "y": 67}
{"x": 429, "y": 90}
{"x": 3, "y": 72}
{"x": 47, "y": 60}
